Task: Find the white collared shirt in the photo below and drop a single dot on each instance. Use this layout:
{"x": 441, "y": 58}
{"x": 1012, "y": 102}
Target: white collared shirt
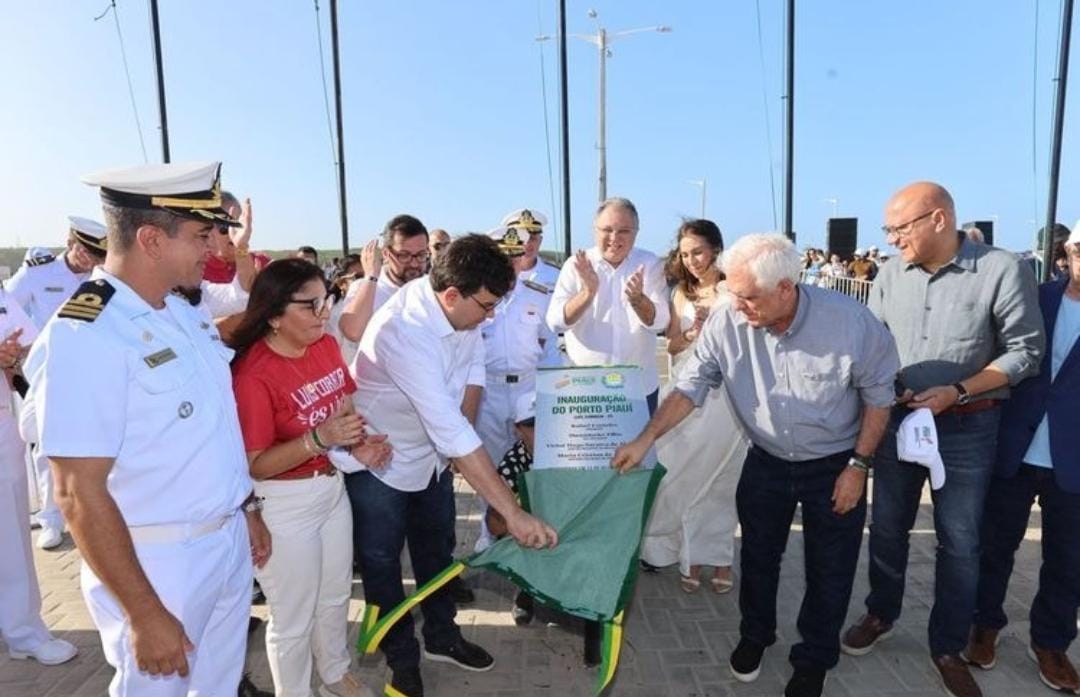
{"x": 224, "y": 299}
{"x": 609, "y": 332}
{"x": 543, "y": 273}
{"x": 150, "y": 389}
{"x": 384, "y": 290}
{"x": 411, "y": 373}
{"x": 41, "y": 289}
{"x": 517, "y": 337}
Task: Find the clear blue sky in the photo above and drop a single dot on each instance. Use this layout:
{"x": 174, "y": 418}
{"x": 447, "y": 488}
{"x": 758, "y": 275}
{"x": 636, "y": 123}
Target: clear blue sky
{"x": 444, "y": 111}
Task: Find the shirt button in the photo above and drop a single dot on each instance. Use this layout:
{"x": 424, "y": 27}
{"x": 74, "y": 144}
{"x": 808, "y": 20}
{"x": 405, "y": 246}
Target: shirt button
{"x": 927, "y": 308}
{"x": 925, "y": 338}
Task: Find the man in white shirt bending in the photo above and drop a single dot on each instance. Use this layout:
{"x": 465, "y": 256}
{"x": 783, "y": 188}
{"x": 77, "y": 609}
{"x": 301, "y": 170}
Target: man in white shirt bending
{"x": 419, "y": 368}
{"x": 611, "y": 300}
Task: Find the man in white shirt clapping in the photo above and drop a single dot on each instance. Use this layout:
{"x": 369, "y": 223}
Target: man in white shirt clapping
{"x": 611, "y": 300}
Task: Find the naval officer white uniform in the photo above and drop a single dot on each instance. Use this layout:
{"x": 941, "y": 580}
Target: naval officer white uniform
{"x": 21, "y": 626}
{"x": 516, "y": 339}
{"x": 40, "y": 286}
{"x": 132, "y": 393}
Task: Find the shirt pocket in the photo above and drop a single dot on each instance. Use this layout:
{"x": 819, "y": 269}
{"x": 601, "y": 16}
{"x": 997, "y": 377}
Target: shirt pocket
{"x": 963, "y": 323}
{"x": 822, "y": 383}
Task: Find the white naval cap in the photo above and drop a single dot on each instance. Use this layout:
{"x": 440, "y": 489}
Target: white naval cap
{"x": 510, "y": 242}
{"x": 1074, "y": 236}
{"x": 860, "y": 252}
{"x": 525, "y": 219}
{"x": 33, "y": 253}
{"x": 90, "y": 233}
{"x": 189, "y": 189}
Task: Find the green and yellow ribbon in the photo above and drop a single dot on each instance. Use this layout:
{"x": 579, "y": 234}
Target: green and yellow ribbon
{"x": 373, "y": 630}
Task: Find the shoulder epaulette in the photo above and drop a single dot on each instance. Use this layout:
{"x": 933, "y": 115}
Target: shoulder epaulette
{"x": 549, "y": 263}
{"x": 40, "y": 261}
{"x": 538, "y": 287}
{"x": 88, "y": 302}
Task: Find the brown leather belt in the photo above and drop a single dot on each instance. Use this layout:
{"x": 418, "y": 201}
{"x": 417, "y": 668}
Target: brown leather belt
{"x": 326, "y": 470}
{"x": 973, "y": 406}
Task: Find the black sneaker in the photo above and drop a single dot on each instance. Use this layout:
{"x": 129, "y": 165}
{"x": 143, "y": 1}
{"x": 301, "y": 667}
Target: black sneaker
{"x": 407, "y": 681}
{"x": 524, "y": 609}
{"x": 463, "y": 654}
{"x": 460, "y": 591}
{"x": 647, "y": 567}
{"x": 257, "y": 596}
{"x": 805, "y": 682}
{"x": 746, "y": 660}
{"x": 248, "y": 689}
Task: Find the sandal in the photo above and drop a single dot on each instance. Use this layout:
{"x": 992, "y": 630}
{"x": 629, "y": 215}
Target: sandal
{"x": 721, "y": 585}
{"x": 690, "y": 583}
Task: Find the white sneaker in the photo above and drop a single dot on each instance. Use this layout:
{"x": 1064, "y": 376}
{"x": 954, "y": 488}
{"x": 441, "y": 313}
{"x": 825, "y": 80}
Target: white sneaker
{"x": 348, "y": 686}
{"x": 51, "y": 653}
{"x": 50, "y": 536}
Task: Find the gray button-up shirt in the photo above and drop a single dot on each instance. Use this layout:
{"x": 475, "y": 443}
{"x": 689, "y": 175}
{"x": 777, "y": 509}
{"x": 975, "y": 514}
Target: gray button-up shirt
{"x": 982, "y": 308}
{"x": 798, "y": 394}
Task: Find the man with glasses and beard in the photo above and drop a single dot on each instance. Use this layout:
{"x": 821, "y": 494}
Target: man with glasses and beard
{"x": 966, "y": 321}
{"x": 39, "y": 287}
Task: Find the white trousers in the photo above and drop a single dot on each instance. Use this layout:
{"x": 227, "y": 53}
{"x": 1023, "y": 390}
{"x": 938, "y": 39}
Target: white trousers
{"x": 308, "y": 580}
{"x": 21, "y": 625}
{"x": 206, "y": 584}
{"x": 49, "y": 513}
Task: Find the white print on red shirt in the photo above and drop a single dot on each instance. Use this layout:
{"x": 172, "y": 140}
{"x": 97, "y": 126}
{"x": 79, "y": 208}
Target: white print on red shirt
{"x": 310, "y": 393}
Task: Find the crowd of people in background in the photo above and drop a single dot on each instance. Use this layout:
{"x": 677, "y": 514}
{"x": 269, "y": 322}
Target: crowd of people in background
{"x": 207, "y": 423}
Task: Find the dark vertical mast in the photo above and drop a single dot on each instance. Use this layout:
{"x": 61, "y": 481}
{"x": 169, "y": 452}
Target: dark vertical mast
{"x": 162, "y": 113}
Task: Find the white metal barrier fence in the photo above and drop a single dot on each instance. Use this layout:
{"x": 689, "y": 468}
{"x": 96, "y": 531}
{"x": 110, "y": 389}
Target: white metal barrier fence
{"x": 854, "y": 287}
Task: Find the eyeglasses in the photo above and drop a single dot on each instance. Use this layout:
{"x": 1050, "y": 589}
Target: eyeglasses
{"x": 906, "y": 228}
{"x": 316, "y": 305}
{"x": 623, "y": 232}
{"x": 404, "y": 257}
{"x": 486, "y": 307}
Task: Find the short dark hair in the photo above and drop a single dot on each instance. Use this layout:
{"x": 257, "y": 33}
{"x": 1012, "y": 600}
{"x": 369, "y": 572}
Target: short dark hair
{"x": 308, "y": 249}
{"x": 271, "y": 292}
{"x": 228, "y": 200}
{"x": 404, "y": 225}
{"x": 123, "y": 223}
{"x": 473, "y": 262}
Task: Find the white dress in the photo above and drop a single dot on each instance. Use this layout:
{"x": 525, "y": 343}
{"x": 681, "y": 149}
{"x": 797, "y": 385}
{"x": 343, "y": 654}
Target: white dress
{"x": 693, "y": 519}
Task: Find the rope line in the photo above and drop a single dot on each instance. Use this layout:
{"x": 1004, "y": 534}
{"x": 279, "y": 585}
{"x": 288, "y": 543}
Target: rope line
{"x": 127, "y": 72}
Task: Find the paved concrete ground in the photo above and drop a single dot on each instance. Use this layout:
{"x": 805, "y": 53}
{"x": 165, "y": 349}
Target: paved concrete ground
{"x": 676, "y": 644}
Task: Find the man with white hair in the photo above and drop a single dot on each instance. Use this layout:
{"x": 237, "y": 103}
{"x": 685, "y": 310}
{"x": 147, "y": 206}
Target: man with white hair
{"x": 810, "y": 374}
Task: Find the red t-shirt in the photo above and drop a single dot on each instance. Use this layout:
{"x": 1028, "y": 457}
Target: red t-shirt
{"x": 217, "y": 270}
{"x": 280, "y": 398}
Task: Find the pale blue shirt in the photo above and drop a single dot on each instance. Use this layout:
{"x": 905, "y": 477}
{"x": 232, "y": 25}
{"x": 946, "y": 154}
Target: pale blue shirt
{"x": 1066, "y": 331}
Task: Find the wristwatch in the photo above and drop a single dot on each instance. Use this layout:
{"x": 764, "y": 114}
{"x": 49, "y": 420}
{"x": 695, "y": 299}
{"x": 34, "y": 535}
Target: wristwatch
{"x": 253, "y": 503}
{"x": 860, "y": 462}
{"x": 963, "y": 397}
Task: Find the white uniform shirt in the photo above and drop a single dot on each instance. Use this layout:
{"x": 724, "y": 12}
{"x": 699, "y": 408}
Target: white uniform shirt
{"x": 384, "y": 290}
{"x": 224, "y": 299}
{"x": 41, "y": 289}
{"x": 12, "y": 317}
{"x": 609, "y": 332}
{"x": 152, "y": 390}
{"x": 512, "y": 337}
{"x": 543, "y": 273}
{"x": 411, "y": 373}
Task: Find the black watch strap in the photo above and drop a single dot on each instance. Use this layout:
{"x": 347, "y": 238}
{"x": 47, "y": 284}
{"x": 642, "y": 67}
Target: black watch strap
{"x": 963, "y": 397}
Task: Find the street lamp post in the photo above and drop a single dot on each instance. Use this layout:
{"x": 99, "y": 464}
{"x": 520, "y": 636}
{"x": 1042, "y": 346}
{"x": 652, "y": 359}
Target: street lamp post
{"x": 603, "y": 39}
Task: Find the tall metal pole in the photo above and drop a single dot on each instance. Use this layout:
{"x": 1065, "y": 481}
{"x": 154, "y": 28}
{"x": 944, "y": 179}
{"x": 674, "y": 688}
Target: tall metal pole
{"x": 704, "y": 186}
{"x": 564, "y": 106}
{"x": 163, "y": 116}
{"x": 342, "y": 204}
{"x": 601, "y": 146}
{"x": 789, "y": 121}
{"x": 1055, "y": 148}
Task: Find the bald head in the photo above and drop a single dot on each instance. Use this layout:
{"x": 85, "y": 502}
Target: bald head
{"x": 920, "y": 220}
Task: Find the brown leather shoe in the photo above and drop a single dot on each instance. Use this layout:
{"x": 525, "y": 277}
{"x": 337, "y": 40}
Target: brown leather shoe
{"x": 860, "y": 637}
{"x": 1055, "y": 669}
{"x": 981, "y": 650}
{"x": 955, "y": 676}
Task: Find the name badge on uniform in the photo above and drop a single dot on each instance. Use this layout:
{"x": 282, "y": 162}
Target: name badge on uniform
{"x": 3, "y": 310}
{"x": 160, "y": 358}
{"x": 53, "y": 289}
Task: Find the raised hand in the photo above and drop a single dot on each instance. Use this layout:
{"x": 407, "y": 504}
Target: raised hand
{"x": 241, "y": 236}
{"x": 635, "y": 285}
{"x": 10, "y": 350}
{"x": 371, "y": 258}
{"x": 589, "y": 278}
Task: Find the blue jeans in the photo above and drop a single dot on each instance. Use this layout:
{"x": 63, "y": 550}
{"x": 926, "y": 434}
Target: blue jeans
{"x": 385, "y": 519}
{"x": 967, "y": 443}
{"x": 1008, "y": 505}
{"x": 768, "y": 492}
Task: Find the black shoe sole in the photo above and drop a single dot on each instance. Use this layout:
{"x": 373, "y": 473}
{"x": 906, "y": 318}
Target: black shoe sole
{"x": 443, "y": 658}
